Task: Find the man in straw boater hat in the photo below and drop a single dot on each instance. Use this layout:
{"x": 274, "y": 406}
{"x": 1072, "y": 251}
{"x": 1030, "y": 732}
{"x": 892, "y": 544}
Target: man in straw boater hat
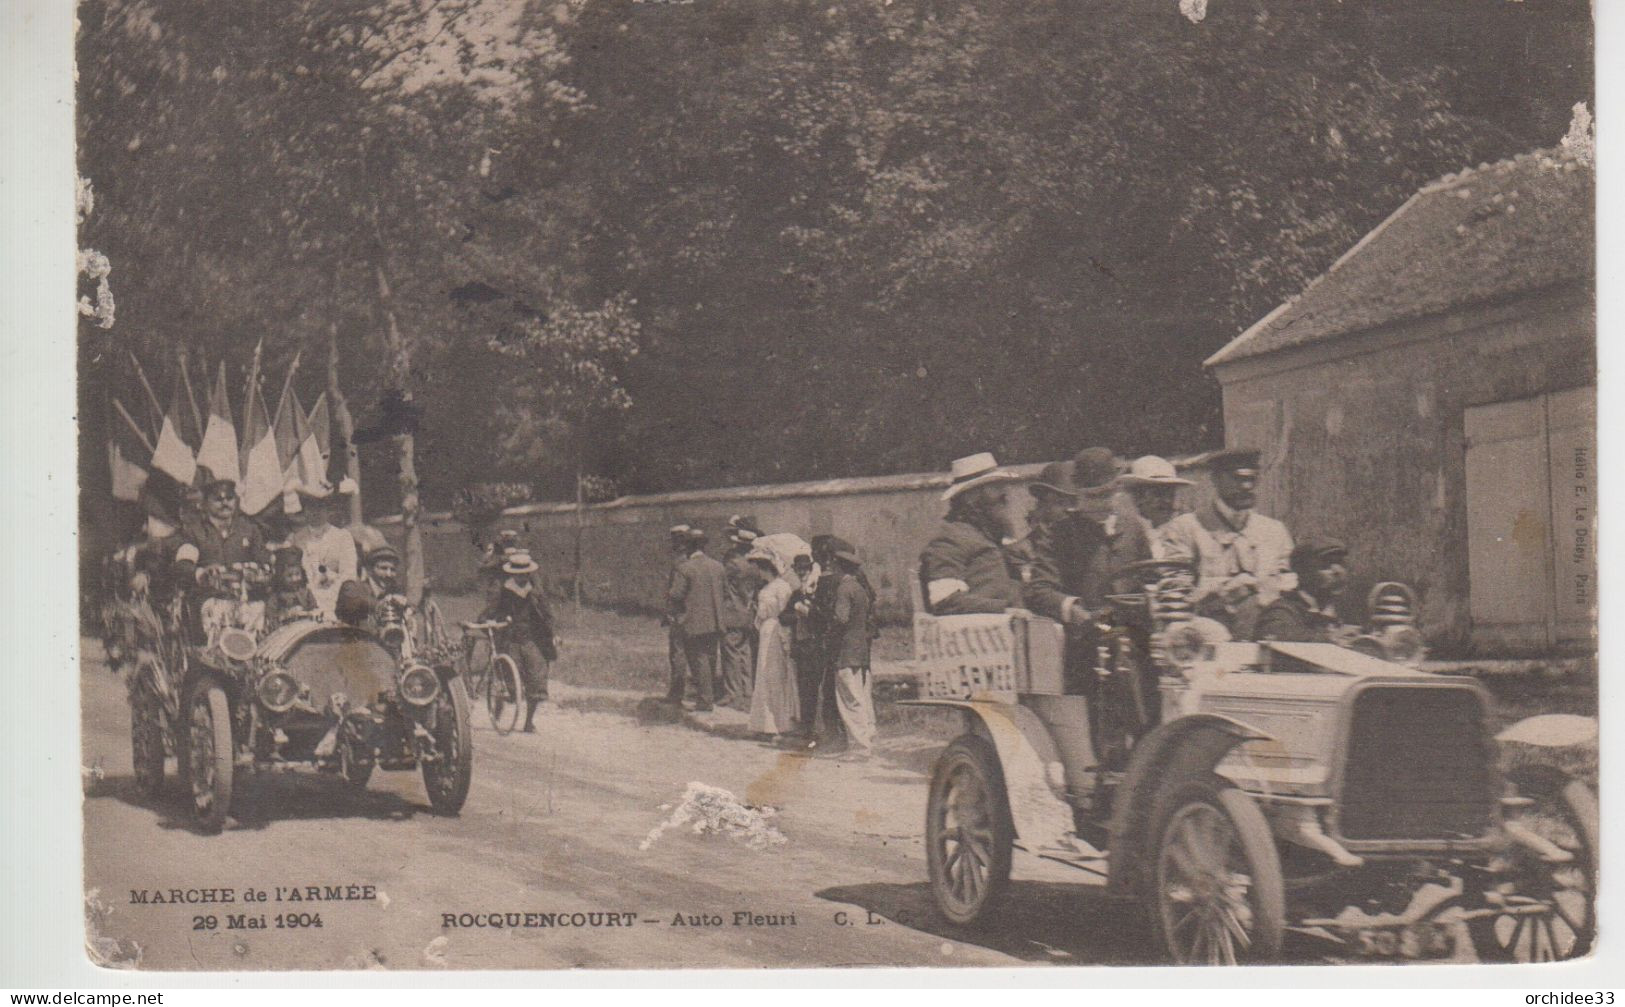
{"x": 696, "y": 606}
{"x": 1153, "y": 484}
{"x": 529, "y": 634}
{"x": 964, "y": 568}
{"x": 1242, "y": 557}
{"x": 739, "y": 614}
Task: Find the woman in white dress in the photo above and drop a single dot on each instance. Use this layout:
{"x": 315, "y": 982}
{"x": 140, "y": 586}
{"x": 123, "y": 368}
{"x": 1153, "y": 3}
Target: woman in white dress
{"x": 774, "y": 708}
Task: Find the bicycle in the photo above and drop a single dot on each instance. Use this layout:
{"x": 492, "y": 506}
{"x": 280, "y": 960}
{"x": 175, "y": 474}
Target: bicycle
{"x": 496, "y": 680}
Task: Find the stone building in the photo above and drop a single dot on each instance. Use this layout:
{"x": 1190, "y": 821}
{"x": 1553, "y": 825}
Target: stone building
{"x": 1431, "y": 400}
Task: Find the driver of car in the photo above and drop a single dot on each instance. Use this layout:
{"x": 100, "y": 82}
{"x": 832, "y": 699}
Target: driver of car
{"x": 1308, "y": 613}
{"x": 1073, "y": 553}
{"x": 214, "y": 547}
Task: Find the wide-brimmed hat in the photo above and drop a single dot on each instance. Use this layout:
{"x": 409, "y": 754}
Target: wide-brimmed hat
{"x": 1315, "y": 552}
{"x": 519, "y": 563}
{"x": 382, "y": 552}
{"x": 1056, "y": 477}
{"x": 974, "y": 470}
{"x": 841, "y": 549}
{"x": 1151, "y": 470}
{"x": 1094, "y": 469}
{"x": 1242, "y": 461}
{"x": 680, "y": 531}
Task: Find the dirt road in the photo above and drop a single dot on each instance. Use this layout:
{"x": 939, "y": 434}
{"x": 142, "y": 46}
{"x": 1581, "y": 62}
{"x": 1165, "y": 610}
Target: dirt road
{"x": 559, "y": 823}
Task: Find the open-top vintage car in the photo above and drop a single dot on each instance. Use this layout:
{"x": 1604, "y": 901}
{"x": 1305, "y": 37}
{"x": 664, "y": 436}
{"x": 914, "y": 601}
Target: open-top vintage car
{"x": 308, "y": 694}
{"x": 1247, "y": 789}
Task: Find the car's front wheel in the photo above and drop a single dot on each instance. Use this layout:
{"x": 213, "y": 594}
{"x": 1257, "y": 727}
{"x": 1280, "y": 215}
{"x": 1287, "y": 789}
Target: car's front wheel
{"x": 1545, "y": 911}
{"x": 447, "y": 776}
{"x": 1219, "y": 896}
{"x": 147, "y": 740}
{"x": 210, "y": 755}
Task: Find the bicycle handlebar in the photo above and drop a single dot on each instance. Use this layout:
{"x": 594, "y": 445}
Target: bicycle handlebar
{"x": 504, "y": 624}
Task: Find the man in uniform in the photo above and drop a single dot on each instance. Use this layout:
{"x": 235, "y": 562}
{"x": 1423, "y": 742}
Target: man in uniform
{"x": 1242, "y": 557}
{"x": 696, "y": 605}
{"x": 211, "y": 544}
{"x": 1308, "y": 613}
{"x": 964, "y": 568}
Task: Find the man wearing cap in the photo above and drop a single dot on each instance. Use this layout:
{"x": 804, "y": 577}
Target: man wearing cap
{"x": 1242, "y": 557}
{"x": 1308, "y": 613}
{"x": 330, "y": 551}
{"x": 851, "y": 625}
{"x": 739, "y": 614}
{"x": 1153, "y": 485}
{"x": 964, "y": 568}
{"x": 1070, "y": 559}
{"x": 696, "y": 607}
{"x": 213, "y": 542}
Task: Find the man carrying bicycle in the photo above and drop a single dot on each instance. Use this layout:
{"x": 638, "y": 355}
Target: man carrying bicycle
{"x": 528, "y": 635}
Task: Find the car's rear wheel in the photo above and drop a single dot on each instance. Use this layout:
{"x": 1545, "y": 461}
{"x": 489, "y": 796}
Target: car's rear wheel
{"x": 504, "y": 694}
{"x": 147, "y": 739}
{"x": 448, "y": 775}
{"x": 1547, "y": 911}
{"x": 1218, "y": 892}
{"x": 210, "y": 756}
{"x": 968, "y": 832}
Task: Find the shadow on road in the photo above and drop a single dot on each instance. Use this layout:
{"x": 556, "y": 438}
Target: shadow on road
{"x": 1036, "y": 921}
{"x": 1040, "y": 922}
{"x": 265, "y": 799}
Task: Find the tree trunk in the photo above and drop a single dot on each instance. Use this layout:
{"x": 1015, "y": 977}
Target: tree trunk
{"x": 400, "y": 372}
{"x": 340, "y": 410}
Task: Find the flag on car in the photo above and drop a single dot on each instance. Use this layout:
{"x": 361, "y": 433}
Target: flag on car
{"x": 321, "y": 428}
{"x": 126, "y": 442}
{"x": 308, "y": 468}
{"x": 218, "y": 451}
{"x": 173, "y": 454}
{"x": 262, "y": 475}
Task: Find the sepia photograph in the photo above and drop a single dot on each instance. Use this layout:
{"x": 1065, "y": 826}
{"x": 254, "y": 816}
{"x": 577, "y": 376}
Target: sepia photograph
{"x": 803, "y": 484}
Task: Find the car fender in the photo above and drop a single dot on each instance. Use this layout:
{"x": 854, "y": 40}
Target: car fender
{"x": 1552, "y": 730}
{"x": 1180, "y": 749}
{"x": 1031, "y": 764}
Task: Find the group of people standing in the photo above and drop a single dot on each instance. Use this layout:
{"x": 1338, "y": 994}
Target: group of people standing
{"x": 782, "y": 628}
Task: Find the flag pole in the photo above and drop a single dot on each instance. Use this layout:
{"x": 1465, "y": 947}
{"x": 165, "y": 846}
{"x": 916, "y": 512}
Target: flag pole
{"x": 253, "y": 379}
{"x": 152, "y": 396}
{"x": 134, "y": 427}
{"x": 191, "y": 396}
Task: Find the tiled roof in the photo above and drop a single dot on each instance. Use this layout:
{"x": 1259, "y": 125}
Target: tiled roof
{"x": 1484, "y": 234}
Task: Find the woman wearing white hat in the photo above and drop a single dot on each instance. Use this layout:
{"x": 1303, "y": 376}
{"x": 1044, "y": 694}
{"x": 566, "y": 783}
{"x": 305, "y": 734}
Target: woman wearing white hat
{"x": 774, "y": 704}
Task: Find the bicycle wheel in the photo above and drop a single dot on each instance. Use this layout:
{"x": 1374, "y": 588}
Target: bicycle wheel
{"x": 505, "y": 694}
{"x": 433, "y": 627}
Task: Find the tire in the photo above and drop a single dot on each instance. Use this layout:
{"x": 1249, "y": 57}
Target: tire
{"x": 504, "y": 694}
{"x": 210, "y": 756}
{"x": 147, "y": 740}
{"x": 1560, "y": 899}
{"x": 435, "y": 639}
{"x": 447, "y": 779}
{"x": 968, "y": 832}
{"x": 1217, "y": 895}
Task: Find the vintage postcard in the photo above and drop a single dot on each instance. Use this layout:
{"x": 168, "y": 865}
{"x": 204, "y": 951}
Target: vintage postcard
{"x": 758, "y": 483}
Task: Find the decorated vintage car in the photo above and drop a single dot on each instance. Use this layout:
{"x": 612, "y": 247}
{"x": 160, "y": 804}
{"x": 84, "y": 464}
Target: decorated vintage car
{"x": 308, "y": 694}
{"x": 1247, "y": 789}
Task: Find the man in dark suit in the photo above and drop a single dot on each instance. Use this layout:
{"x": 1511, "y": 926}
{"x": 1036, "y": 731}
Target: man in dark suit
{"x": 696, "y": 605}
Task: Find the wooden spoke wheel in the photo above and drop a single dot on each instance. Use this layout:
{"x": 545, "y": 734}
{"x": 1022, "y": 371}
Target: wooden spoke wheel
{"x": 210, "y": 755}
{"x": 968, "y": 833}
{"x": 1547, "y": 911}
{"x": 147, "y": 739}
{"x": 447, "y": 776}
{"x": 1219, "y": 894}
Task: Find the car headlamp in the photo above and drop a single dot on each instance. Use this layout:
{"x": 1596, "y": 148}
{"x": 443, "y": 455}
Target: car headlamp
{"x": 420, "y": 685}
{"x": 237, "y": 643}
{"x": 278, "y": 691}
{"x": 1403, "y": 645}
